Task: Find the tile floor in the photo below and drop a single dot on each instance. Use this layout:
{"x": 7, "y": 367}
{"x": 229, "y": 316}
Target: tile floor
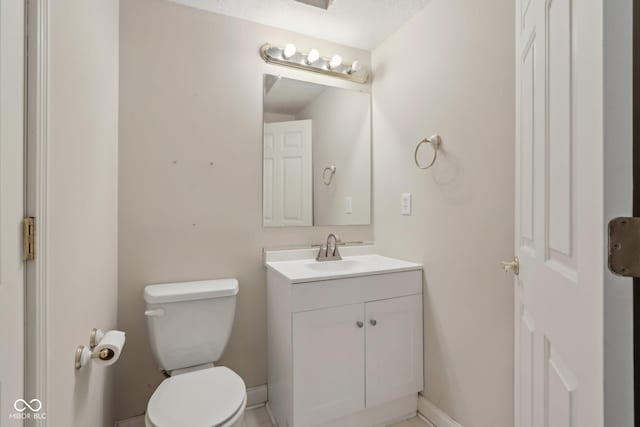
{"x": 258, "y": 417}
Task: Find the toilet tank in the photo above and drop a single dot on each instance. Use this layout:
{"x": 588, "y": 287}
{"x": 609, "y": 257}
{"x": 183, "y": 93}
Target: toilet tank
{"x": 190, "y": 322}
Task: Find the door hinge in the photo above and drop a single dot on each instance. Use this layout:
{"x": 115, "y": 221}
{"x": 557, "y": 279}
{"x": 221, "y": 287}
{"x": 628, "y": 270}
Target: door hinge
{"x": 624, "y": 246}
{"x": 29, "y": 238}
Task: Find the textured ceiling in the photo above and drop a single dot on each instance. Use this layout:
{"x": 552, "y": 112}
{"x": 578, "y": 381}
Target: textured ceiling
{"x": 358, "y": 23}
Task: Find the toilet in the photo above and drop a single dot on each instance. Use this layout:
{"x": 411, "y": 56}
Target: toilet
{"x": 189, "y": 326}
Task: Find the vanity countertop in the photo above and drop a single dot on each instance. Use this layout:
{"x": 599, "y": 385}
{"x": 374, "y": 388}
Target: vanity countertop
{"x": 356, "y": 261}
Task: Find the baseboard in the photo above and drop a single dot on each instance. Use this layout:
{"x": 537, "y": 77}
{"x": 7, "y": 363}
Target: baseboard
{"x": 256, "y": 396}
{"x": 131, "y": 422}
{"x": 424, "y": 420}
{"x": 434, "y": 415}
{"x": 271, "y": 417}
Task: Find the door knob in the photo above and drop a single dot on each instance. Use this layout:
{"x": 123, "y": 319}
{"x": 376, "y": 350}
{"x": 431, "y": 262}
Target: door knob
{"x": 373, "y": 322}
{"x": 512, "y": 266}
{"x": 359, "y": 324}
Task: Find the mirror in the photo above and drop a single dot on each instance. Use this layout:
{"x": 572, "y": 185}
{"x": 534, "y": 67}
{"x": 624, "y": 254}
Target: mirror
{"x": 316, "y": 154}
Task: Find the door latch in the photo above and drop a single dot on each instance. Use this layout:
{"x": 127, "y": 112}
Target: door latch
{"x": 624, "y": 246}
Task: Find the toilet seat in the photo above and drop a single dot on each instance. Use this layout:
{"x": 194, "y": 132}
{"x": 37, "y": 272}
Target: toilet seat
{"x": 211, "y": 397}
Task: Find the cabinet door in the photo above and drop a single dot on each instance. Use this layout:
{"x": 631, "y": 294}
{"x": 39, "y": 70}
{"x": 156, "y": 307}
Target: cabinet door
{"x": 394, "y": 348}
{"x": 328, "y": 364}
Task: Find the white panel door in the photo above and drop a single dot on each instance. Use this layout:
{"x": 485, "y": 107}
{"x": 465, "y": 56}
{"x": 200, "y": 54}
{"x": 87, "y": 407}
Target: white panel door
{"x": 394, "y": 349}
{"x": 287, "y": 174}
{"x": 559, "y": 214}
{"x": 11, "y": 211}
{"x": 328, "y": 364}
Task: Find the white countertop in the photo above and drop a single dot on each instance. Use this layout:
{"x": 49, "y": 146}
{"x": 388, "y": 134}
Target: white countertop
{"x": 362, "y": 264}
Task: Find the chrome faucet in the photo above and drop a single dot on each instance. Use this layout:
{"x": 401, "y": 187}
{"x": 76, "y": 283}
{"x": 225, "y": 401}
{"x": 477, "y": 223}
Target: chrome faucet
{"x": 329, "y": 251}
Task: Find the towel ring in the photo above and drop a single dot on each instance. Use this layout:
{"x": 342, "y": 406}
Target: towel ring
{"x": 435, "y": 142}
{"x": 332, "y": 170}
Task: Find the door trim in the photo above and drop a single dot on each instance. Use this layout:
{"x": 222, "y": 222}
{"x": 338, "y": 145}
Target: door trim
{"x": 636, "y": 202}
{"x": 37, "y": 157}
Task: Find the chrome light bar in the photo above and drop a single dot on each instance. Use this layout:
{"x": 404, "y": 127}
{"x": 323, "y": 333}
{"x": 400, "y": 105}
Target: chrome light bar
{"x": 289, "y": 56}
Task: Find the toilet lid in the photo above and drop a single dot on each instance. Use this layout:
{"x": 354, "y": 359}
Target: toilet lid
{"x": 203, "y": 398}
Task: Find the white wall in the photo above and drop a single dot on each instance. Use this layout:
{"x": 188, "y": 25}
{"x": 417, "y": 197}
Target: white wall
{"x": 450, "y": 70}
{"x": 341, "y": 137}
{"x": 191, "y": 173}
{"x": 618, "y": 192}
{"x": 83, "y": 212}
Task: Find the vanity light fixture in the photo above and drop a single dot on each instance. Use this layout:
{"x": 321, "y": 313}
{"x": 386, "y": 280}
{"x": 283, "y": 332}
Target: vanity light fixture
{"x": 289, "y": 50}
{"x": 313, "y": 56}
{"x": 355, "y": 67}
{"x": 335, "y": 62}
{"x": 312, "y": 61}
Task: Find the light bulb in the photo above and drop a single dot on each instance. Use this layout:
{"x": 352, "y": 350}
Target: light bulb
{"x": 289, "y": 50}
{"x": 354, "y": 67}
{"x": 313, "y": 56}
{"x": 335, "y": 61}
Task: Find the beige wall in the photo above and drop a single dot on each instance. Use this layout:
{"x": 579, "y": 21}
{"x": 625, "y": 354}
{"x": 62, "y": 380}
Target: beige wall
{"x": 83, "y": 212}
{"x": 191, "y": 174}
{"x": 450, "y": 70}
{"x": 341, "y": 137}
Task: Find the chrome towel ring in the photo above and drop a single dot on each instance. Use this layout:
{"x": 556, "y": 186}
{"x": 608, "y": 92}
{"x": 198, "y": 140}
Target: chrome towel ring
{"x": 332, "y": 171}
{"x": 435, "y": 142}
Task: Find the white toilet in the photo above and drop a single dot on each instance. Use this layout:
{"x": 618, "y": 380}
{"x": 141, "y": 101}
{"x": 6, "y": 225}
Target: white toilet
{"x": 189, "y": 327}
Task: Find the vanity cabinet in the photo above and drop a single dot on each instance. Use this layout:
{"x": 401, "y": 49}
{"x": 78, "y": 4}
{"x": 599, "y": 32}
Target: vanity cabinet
{"x": 393, "y": 356}
{"x": 328, "y": 363}
{"x": 345, "y": 352}
{"x": 356, "y": 356}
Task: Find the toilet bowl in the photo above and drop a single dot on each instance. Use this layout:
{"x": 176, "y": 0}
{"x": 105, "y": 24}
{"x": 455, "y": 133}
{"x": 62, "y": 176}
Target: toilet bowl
{"x": 212, "y": 397}
{"x": 189, "y": 327}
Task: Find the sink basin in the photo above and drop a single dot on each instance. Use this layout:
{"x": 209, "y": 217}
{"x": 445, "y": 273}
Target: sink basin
{"x": 310, "y": 270}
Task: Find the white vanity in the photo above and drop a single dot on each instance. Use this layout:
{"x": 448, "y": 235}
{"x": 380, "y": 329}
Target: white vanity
{"x": 344, "y": 338}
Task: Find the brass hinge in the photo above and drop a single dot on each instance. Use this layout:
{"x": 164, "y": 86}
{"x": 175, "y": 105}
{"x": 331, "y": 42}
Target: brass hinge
{"x": 624, "y": 246}
{"x": 29, "y": 238}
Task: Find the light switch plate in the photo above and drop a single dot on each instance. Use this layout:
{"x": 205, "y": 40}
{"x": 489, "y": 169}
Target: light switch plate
{"x": 348, "y": 205}
{"x": 405, "y": 204}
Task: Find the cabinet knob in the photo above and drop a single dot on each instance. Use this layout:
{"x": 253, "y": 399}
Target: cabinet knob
{"x": 359, "y": 324}
{"x": 373, "y": 322}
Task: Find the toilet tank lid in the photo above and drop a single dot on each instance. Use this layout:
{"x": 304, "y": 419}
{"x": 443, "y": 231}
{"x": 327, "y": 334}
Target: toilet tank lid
{"x": 189, "y": 291}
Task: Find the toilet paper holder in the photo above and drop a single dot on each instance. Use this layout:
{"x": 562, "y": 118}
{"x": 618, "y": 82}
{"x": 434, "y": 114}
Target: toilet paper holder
{"x": 83, "y": 354}
{"x": 95, "y": 337}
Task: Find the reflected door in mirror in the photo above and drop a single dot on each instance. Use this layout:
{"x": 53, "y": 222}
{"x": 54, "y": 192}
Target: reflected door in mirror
{"x": 287, "y": 169}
